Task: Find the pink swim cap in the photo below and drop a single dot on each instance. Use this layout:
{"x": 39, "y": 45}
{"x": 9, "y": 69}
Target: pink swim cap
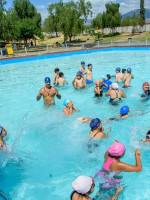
{"x": 97, "y": 81}
{"x": 116, "y": 149}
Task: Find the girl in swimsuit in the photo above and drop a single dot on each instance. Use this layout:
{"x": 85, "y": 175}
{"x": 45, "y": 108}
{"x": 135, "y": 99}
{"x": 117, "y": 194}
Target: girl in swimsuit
{"x": 115, "y": 94}
{"x": 69, "y": 107}
{"x": 112, "y": 163}
{"x": 3, "y": 133}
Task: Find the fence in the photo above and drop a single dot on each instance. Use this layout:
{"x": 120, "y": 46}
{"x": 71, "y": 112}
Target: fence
{"x": 47, "y": 49}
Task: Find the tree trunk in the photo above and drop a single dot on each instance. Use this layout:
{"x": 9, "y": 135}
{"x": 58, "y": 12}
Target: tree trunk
{"x": 70, "y": 36}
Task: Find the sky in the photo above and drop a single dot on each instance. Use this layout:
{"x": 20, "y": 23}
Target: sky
{"x": 98, "y": 6}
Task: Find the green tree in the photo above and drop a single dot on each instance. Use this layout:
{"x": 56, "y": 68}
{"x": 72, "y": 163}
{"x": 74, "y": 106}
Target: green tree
{"x": 126, "y": 21}
{"x": 28, "y": 21}
{"x": 67, "y": 18}
{"x": 142, "y": 13}
{"x": 112, "y": 17}
{"x": 97, "y": 22}
{"x": 2, "y": 9}
{"x": 134, "y": 22}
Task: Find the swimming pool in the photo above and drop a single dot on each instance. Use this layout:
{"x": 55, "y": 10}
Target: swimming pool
{"x": 48, "y": 150}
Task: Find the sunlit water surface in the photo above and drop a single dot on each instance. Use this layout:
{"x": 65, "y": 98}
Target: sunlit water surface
{"x": 47, "y": 150}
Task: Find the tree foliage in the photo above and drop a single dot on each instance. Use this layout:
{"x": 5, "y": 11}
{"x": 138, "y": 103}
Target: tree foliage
{"x": 142, "y": 13}
{"x": 97, "y": 22}
{"x": 2, "y": 16}
{"x": 112, "y": 17}
{"x": 67, "y": 18}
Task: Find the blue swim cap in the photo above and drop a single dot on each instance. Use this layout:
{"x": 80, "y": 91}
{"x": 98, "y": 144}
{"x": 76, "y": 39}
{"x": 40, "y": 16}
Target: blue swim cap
{"x": 66, "y": 101}
{"x": 129, "y": 70}
{"x": 118, "y": 69}
{"x": 1, "y": 130}
{"x": 47, "y": 80}
{"x": 124, "y": 110}
{"x": 95, "y": 123}
{"x": 80, "y": 72}
{"x": 82, "y": 63}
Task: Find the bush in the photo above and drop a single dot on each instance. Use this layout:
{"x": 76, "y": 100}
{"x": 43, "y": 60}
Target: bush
{"x": 111, "y": 34}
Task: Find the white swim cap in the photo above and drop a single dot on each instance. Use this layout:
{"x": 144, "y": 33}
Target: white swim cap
{"x": 104, "y": 78}
{"x": 115, "y": 86}
{"x": 82, "y": 184}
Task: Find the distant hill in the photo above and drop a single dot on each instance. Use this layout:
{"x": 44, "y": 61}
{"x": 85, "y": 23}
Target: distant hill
{"x": 130, "y": 14}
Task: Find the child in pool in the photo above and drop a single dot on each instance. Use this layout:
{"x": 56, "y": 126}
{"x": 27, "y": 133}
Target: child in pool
{"x": 69, "y": 107}
{"x": 61, "y": 80}
{"x": 3, "y": 133}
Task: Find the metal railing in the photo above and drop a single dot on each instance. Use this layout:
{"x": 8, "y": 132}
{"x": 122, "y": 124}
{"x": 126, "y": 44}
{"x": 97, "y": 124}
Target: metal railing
{"x": 48, "y": 49}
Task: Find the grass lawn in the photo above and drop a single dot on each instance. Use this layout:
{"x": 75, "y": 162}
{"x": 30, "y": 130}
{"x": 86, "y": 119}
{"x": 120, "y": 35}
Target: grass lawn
{"x": 89, "y": 39}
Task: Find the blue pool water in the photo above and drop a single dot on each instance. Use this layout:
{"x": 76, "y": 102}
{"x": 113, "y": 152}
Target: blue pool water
{"x": 48, "y": 150}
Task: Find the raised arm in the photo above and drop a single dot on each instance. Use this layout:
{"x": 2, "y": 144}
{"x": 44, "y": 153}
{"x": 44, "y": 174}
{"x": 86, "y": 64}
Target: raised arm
{"x": 120, "y": 166}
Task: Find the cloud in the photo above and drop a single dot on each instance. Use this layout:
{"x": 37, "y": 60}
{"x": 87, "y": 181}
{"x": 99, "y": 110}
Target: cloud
{"x": 40, "y": 7}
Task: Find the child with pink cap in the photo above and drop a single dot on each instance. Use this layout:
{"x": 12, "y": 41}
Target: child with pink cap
{"x": 112, "y": 163}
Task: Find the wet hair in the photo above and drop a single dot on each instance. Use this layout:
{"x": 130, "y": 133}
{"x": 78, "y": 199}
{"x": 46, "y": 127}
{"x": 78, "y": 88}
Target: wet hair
{"x": 89, "y": 65}
{"x": 108, "y": 76}
{"x": 124, "y": 70}
{"x": 61, "y": 74}
{"x": 56, "y": 70}
{"x": 148, "y": 133}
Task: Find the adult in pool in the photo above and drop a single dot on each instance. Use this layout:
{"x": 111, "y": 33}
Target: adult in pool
{"x": 83, "y": 186}
{"x": 127, "y": 78}
{"x": 48, "y": 92}
{"x": 115, "y": 94}
{"x": 69, "y": 107}
{"x": 3, "y": 133}
{"x": 146, "y": 90}
{"x": 88, "y": 73}
{"x": 82, "y": 68}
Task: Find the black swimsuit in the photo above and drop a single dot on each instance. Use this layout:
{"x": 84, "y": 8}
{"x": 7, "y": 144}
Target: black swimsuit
{"x": 116, "y": 99}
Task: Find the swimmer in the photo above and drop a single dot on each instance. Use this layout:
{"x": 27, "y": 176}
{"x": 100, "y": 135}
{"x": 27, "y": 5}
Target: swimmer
{"x": 79, "y": 81}
{"x": 147, "y": 139}
{"x": 146, "y": 90}
{"x": 83, "y": 186}
{"x": 3, "y": 133}
{"x": 112, "y": 163}
{"x": 88, "y": 74}
{"x": 118, "y": 75}
{"x": 123, "y": 73}
{"x": 78, "y": 73}
{"x": 127, "y": 78}
{"x": 97, "y": 131}
{"x": 98, "y": 89}
{"x": 112, "y": 159}
{"x": 61, "y": 80}
{"x": 106, "y": 82}
{"x": 82, "y": 68}
{"x": 124, "y": 113}
{"x": 56, "y": 75}
{"x": 115, "y": 94}
{"x": 69, "y": 107}
{"x": 48, "y": 92}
